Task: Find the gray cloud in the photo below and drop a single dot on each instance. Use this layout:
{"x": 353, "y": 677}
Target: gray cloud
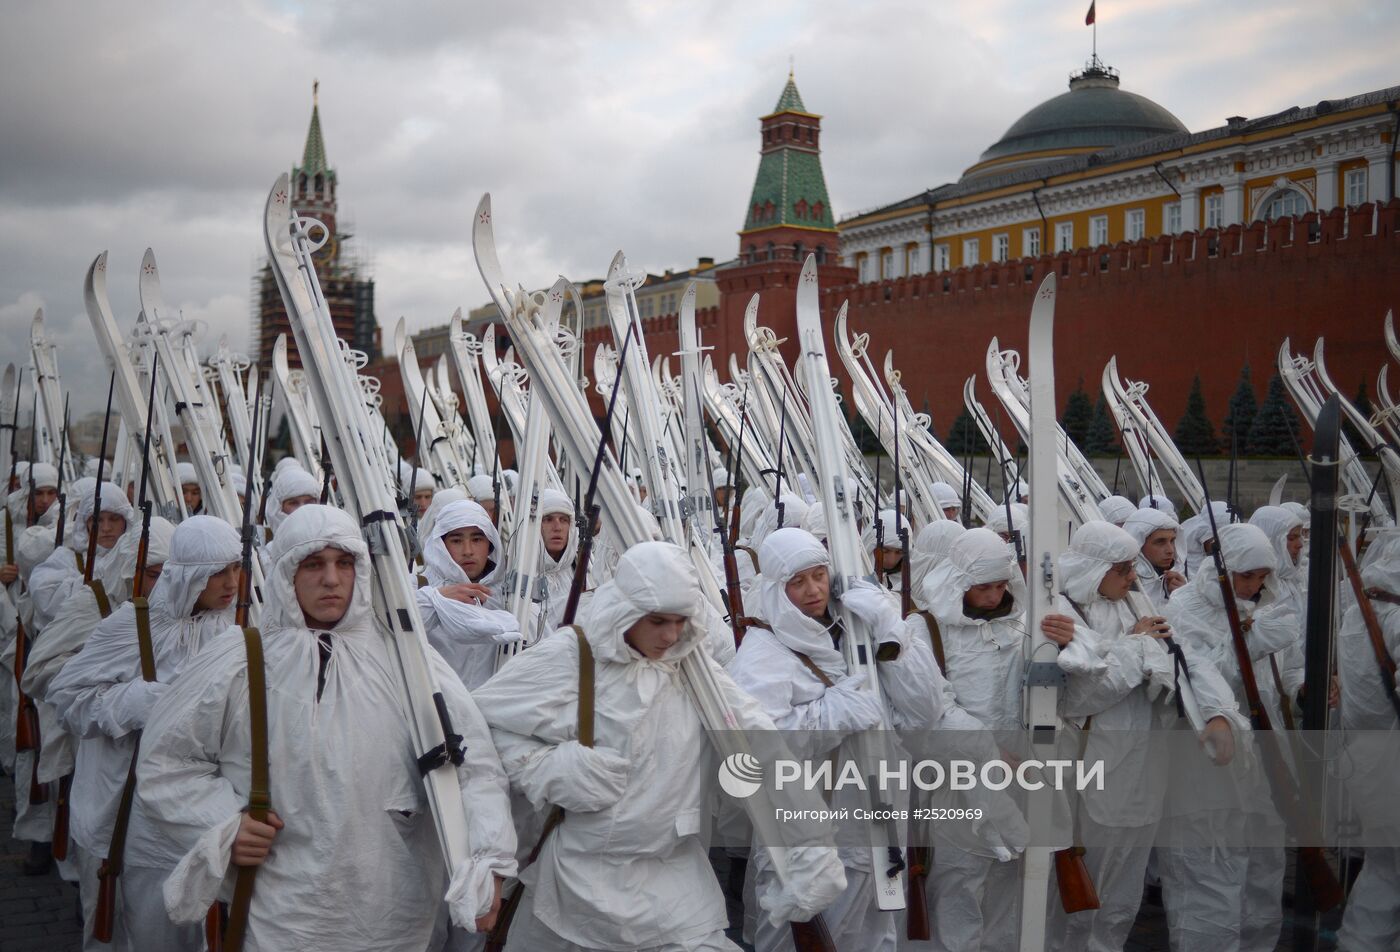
{"x": 595, "y": 125}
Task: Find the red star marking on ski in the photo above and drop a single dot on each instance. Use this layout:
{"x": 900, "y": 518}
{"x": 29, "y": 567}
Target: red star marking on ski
{"x": 810, "y": 277}
{"x": 556, "y": 296}
{"x": 280, "y": 196}
{"x": 149, "y": 269}
{"x": 1045, "y": 294}
{"x": 102, "y": 266}
{"x": 486, "y": 218}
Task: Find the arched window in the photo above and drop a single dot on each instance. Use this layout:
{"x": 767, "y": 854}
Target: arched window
{"x": 769, "y": 252}
{"x": 749, "y": 254}
{"x": 320, "y": 183}
{"x": 798, "y": 253}
{"x": 821, "y": 254}
{"x": 1284, "y": 203}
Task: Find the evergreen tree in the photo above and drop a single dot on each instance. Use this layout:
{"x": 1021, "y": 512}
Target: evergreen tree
{"x": 1078, "y": 416}
{"x": 866, "y": 440}
{"x": 1275, "y": 425}
{"x": 1103, "y": 433}
{"x": 1243, "y": 408}
{"x": 1195, "y": 435}
{"x": 1362, "y": 402}
{"x": 965, "y": 438}
{"x": 929, "y": 413}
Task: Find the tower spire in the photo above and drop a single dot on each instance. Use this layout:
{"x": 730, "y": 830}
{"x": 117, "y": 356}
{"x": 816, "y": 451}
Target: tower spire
{"x": 313, "y": 156}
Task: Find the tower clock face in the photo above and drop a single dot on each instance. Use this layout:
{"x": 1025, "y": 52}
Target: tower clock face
{"x": 330, "y": 250}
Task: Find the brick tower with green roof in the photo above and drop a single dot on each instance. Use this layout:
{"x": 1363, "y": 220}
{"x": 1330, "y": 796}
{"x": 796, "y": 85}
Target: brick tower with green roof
{"x": 789, "y": 213}
{"x": 349, "y": 294}
{"x": 789, "y": 216}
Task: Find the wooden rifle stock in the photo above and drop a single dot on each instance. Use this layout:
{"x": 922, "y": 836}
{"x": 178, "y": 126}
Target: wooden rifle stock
{"x": 585, "y": 553}
{"x": 27, "y": 714}
{"x": 60, "y": 818}
{"x": 1077, "y": 893}
{"x": 1326, "y": 891}
{"x": 917, "y": 928}
{"x": 812, "y": 936}
{"x": 1384, "y": 661}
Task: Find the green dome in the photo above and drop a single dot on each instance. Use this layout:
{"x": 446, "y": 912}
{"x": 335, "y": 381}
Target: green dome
{"x": 1094, "y": 114}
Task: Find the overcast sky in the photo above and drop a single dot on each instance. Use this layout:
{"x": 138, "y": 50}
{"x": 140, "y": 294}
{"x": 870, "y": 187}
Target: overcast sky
{"x": 595, "y": 125}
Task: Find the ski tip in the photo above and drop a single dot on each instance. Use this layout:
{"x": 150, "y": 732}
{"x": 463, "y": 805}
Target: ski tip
{"x": 483, "y": 210}
{"x": 455, "y": 319}
{"x": 809, "y": 270}
{"x": 36, "y": 326}
{"x": 841, "y": 311}
{"x": 279, "y": 196}
{"x": 617, "y": 265}
{"x": 1046, "y": 291}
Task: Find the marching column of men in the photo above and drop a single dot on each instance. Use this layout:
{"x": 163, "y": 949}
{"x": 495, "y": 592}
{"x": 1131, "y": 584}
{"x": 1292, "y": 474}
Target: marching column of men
{"x": 348, "y": 859}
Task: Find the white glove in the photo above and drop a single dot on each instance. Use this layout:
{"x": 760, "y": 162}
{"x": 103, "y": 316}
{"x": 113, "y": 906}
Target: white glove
{"x": 581, "y": 779}
{"x": 875, "y": 607}
{"x": 508, "y": 637}
{"x": 846, "y": 707}
{"x": 128, "y": 705}
{"x": 815, "y": 877}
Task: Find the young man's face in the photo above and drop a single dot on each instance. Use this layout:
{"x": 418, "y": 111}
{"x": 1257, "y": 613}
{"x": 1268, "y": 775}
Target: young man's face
{"x": 150, "y": 577}
{"x": 1248, "y": 584}
{"x": 291, "y": 505}
{"x": 193, "y": 497}
{"x": 44, "y": 497}
{"x": 1160, "y": 549}
{"x": 490, "y": 506}
{"x": 887, "y": 558}
{"x": 1295, "y": 543}
{"x": 422, "y": 499}
{"x": 110, "y": 527}
{"x": 470, "y": 549}
{"x": 952, "y": 513}
{"x": 324, "y": 583}
{"x": 810, "y": 590}
{"x": 985, "y": 596}
{"x": 1118, "y": 581}
{"x": 554, "y": 529}
{"x": 655, "y": 633}
{"x": 219, "y": 591}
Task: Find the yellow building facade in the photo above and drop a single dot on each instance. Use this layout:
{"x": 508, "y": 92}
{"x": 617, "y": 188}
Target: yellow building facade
{"x": 1098, "y": 165}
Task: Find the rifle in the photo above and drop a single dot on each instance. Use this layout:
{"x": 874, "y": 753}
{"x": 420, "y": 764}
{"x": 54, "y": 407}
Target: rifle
{"x": 915, "y": 891}
{"x": 733, "y": 595}
{"x": 1326, "y": 891}
{"x": 1384, "y": 661}
{"x": 325, "y": 471}
{"x": 62, "y": 493}
{"x": 901, "y": 532}
{"x": 104, "y": 919}
{"x": 590, "y": 506}
{"x": 413, "y": 478}
{"x": 734, "y": 521}
{"x": 104, "y": 605}
{"x": 27, "y": 714}
{"x": 778, "y": 477}
{"x": 220, "y": 933}
{"x": 510, "y": 904}
{"x": 14, "y": 432}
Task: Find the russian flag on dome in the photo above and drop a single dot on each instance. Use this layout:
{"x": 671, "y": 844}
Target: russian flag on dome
{"x": 1089, "y": 17}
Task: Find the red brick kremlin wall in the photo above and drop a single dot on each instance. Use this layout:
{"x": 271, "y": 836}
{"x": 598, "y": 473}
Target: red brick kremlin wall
{"x": 1170, "y": 308}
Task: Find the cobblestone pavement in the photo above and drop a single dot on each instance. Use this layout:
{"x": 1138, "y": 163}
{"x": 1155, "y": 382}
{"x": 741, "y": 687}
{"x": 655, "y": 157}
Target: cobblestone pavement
{"x": 37, "y": 913}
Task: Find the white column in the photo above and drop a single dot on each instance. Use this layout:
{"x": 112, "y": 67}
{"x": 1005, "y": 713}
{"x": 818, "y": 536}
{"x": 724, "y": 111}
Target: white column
{"x": 1233, "y": 210}
{"x": 926, "y": 253}
{"x": 1377, "y": 181}
{"x": 1326, "y": 186}
{"x": 1190, "y": 209}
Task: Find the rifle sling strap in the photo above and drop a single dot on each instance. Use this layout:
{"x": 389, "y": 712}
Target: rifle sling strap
{"x": 259, "y": 797}
{"x": 112, "y": 865}
{"x": 1381, "y": 595}
{"x": 935, "y": 635}
{"x": 496, "y": 940}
